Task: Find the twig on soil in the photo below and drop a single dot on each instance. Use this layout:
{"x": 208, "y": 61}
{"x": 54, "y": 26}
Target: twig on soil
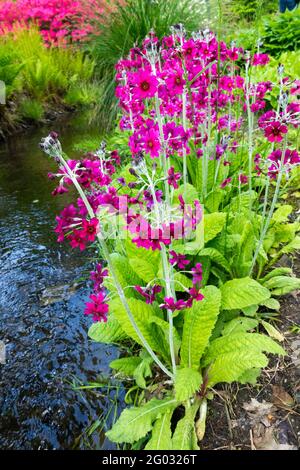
{"x": 251, "y": 441}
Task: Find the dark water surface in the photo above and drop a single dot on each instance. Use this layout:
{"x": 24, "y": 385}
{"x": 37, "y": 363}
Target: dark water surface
{"x": 41, "y": 310}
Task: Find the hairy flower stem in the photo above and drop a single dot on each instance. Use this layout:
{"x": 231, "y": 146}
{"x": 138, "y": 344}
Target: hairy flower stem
{"x": 266, "y": 196}
{"x": 184, "y": 149}
{"x": 167, "y": 276}
{"x": 267, "y": 224}
{"x": 119, "y": 288}
{"x": 170, "y": 313}
{"x": 250, "y": 136}
{"x": 162, "y": 146}
{"x": 205, "y": 161}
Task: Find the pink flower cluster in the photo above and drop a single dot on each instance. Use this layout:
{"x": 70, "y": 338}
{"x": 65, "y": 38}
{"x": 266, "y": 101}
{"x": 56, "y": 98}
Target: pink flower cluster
{"x": 171, "y": 92}
{"x": 98, "y": 306}
{"x": 179, "y": 76}
{"x": 60, "y": 21}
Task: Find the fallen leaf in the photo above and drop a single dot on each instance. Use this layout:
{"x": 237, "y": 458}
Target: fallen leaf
{"x": 295, "y": 356}
{"x": 266, "y": 440}
{"x": 258, "y": 409}
{"x": 281, "y": 397}
{"x": 272, "y": 331}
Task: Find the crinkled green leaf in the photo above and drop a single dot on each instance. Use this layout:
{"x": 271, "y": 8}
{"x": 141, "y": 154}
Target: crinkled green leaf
{"x": 125, "y": 274}
{"x": 292, "y": 246}
{"x": 276, "y": 272}
{"x": 134, "y": 423}
{"x": 214, "y": 200}
{"x": 213, "y": 224}
{"x": 181, "y": 282}
{"x": 185, "y": 437}
{"x": 281, "y": 214}
{"x": 241, "y": 293}
{"x": 215, "y": 256}
{"x": 142, "y": 314}
{"x": 162, "y": 334}
{"x": 187, "y": 383}
{"x": 142, "y": 371}
{"x": 143, "y": 268}
{"x": 272, "y": 331}
{"x": 239, "y": 324}
{"x": 250, "y": 376}
{"x": 189, "y": 192}
{"x": 271, "y": 303}
{"x": 161, "y": 434}
{"x": 199, "y": 322}
{"x": 241, "y": 342}
{"x": 251, "y": 310}
{"x": 280, "y": 285}
{"x": 241, "y": 202}
{"x": 229, "y": 367}
{"x": 110, "y": 332}
{"x": 126, "y": 365}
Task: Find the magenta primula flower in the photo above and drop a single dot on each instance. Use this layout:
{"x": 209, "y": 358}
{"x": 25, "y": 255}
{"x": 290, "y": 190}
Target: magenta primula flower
{"x": 195, "y": 295}
{"x": 89, "y": 229}
{"x": 144, "y": 84}
{"x": 171, "y": 304}
{"x": 291, "y": 158}
{"x": 257, "y": 106}
{"x": 77, "y": 240}
{"x": 173, "y": 177}
{"x": 197, "y": 274}
{"x": 260, "y": 59}
{"x": 175, "y": 81}
{"x": 149, "y": 293}
{"x": 243, "y": 179}
{"x": 295, "y": 90}
{"x": 178, "y": 260}
{"x": 267, "y": 119}
{"x": 98, "y": 276}
{"x": 150, "y": 143}
{"x": 98, "y": 307}
{"x": 65, "y": 221}
{"x": 274, "y": 131}
{"x": 149, "y": 198}
{"x": 225, "y": 182}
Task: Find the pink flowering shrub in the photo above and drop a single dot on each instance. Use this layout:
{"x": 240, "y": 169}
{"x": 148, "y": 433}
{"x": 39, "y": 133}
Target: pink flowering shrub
{"x": 60, "y": 21}
{"x": 184, "y": 226}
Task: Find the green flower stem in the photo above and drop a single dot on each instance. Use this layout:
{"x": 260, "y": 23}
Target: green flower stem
{"x": 184, "y": 149}
{"x": 113, "y": 273}
{"x": 250, "y": 137}
{"x": 167, "y": 276}
{"x": 162, "y": 145}
{"x": 170, "y": 313}
{"x": 267, "y": 224}
{"x": 266, "y": 196}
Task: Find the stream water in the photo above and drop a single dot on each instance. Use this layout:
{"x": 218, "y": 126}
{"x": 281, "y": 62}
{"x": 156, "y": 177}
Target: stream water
{"x": 41, "y": 311}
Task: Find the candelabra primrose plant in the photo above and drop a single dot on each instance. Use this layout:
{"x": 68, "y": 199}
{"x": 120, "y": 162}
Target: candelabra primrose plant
{"x": 189, "y": 230}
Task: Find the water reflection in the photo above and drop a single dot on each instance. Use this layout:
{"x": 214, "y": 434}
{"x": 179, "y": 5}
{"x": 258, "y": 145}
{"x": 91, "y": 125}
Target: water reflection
{"x": 41, "y": 308}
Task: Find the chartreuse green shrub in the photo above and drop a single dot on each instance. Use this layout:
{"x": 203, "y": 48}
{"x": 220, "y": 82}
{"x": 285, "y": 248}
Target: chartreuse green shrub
{"x": 249, "y": 9}
{"x": 31, "y": 110}
{"x": 10, "y": 69}
{"x": 38, "y": 77}
{"x": 282, "y": 33}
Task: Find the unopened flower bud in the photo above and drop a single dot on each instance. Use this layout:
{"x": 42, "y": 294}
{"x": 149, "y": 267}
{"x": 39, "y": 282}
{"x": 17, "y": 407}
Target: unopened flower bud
{"x": 280, "y": 69}
{"x": 51, "y": 145}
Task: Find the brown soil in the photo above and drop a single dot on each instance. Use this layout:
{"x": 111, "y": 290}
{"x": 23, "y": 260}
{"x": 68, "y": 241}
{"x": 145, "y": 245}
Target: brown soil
{"x": 231, "y": 427}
